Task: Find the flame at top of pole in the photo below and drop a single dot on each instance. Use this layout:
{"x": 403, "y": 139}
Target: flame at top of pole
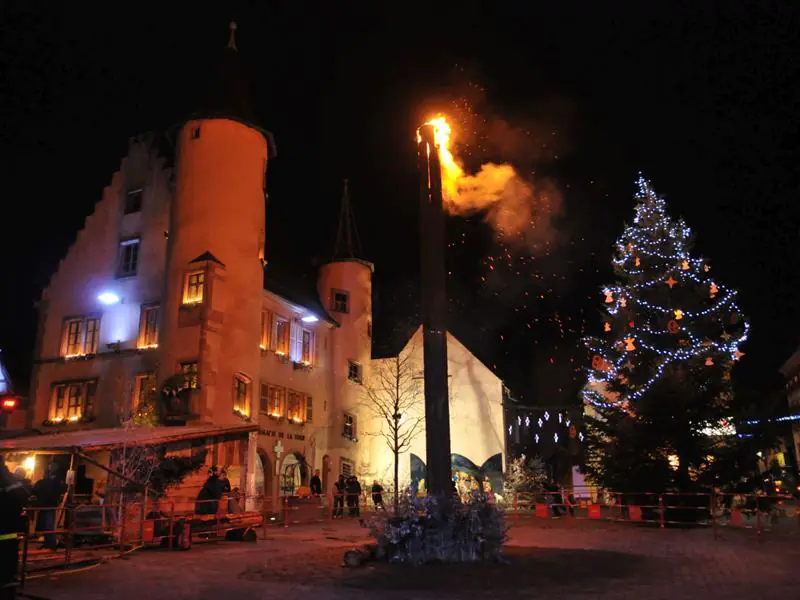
{"x": 451, "y": 169}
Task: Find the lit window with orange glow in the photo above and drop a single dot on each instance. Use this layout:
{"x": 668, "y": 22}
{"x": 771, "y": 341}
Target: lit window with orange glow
{"x": 145, "y": 390}
{"x": 73, "y": 338}
{"x": 80, "y": 337}
{"x": 294, "y": 406}
{"x": 148, "y": 327}
{"x": 307, "y": 347}
{"x": 241, "y": 395}
{"x": 272, "y": 397}
{"x": 280, "y": 338}
{"x": 191, "y": 372}
{"x": 194, "y": 287}
{"x": 73, "y": 401}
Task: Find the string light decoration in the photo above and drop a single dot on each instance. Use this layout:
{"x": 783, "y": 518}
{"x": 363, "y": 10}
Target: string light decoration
{"x": 660, "y": 282}
{"x": 665, "y": 389}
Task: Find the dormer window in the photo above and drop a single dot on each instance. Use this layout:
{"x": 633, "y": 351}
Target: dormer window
{"x": 133, "y": 201}
{"x": 340, "y": 301}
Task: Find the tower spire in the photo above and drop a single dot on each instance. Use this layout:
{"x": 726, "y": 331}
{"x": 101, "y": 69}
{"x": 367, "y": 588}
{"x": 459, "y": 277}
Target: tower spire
{"x": 347, "y": 243}
{"x": 232, "y": 38}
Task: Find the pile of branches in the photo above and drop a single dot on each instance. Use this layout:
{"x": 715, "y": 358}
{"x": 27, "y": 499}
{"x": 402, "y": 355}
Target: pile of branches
{"x": 430, "y": 530}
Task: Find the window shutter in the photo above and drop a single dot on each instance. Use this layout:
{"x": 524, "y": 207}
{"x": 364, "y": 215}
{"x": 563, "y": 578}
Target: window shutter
{"x": 267, "y": 335}
{"x": 295, "y": 342}
{"x": 64, "y": 336}
{"x": 142, "y": 325}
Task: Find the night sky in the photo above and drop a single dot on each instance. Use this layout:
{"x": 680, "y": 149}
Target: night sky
{"x": 578, "y": 96}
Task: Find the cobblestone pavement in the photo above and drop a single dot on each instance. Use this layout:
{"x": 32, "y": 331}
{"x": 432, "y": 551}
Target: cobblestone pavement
{"x": 567, "y": 560}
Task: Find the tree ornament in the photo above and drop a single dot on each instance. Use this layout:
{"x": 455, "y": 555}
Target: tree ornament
{"x": 609, "y": 296}
{"x": 709, "y": 361}
{"x": 712, "y": 290}
{"x": 678, "y": 314}
{"x": 629, "y": 347}
{"x": 573, "y": 433}
{"x": 726, "y": 336}
{"x": 685, "y": 265}
{"x": 637, "y": 262}
{"x": 737, "y": 355}
{"x": 706, "y": 268}
{"x": 673, "y": 327}
{"x": 606, "y": 326}
{"x": 671, "y": 282}
{"x": 622, "y": 302}
{"x": 630, "y": 247}
{"x": 597, "y": 362}
{"x": 631, "y": 324}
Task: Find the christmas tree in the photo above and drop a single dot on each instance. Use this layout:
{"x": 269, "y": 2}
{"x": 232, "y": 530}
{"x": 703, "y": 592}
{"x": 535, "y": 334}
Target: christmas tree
{"x": 659, "y": 402}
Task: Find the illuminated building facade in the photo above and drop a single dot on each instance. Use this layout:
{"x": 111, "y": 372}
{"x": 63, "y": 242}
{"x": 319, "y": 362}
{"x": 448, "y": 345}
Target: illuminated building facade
{"x": 791, "y": 372}
{"x": 165, "y": 288}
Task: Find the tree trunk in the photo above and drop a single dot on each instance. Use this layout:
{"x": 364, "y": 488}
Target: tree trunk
{"x": 396, "y": 473}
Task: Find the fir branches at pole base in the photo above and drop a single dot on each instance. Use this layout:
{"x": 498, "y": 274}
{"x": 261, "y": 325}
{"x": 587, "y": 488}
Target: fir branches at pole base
{"x": 440, "y": 530}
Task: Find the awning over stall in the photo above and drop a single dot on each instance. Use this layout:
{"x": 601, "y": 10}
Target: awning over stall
{"x": 94, "y": 440}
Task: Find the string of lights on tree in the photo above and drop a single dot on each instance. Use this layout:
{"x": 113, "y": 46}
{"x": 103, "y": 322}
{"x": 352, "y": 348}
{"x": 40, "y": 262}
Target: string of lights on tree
{"x": 667, "y": 309}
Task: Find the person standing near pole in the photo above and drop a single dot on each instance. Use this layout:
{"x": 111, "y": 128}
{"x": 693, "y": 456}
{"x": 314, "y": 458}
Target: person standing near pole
{"x": 13, "y": 499}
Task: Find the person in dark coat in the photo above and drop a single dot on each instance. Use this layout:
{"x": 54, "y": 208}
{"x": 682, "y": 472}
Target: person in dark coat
{"x": 377, "y": 495}
{"x": 353, "y": 488}
{"x": 338, "y": 497}
{"x": 208, "y": 499}
{"x": 13, "y": 499}
{"x": 315, "y": 484}
{"x": 47, "y": 493}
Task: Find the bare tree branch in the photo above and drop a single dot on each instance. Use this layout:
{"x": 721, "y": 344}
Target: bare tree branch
{"x": 393, "y": 395}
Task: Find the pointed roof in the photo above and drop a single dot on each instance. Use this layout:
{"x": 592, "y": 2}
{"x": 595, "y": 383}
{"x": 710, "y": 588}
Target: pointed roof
{"x": 348, "y": 244}
{"x": 207, "y": 257}
{"x": 225, "y": 93}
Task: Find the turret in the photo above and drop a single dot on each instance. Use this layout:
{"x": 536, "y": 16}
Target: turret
{"x": 212, "y": 310}
{"x": 345, "y": 287}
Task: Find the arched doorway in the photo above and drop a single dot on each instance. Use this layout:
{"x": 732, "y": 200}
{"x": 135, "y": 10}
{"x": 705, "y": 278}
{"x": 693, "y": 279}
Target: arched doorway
{"x": 326, "y": 471}
{"x": 291, "y": 475}
{"x": 263, "y": 474}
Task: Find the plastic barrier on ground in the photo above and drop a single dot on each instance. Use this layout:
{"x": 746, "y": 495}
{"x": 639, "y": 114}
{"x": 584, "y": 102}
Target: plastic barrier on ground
{"x": 761, "y": 513}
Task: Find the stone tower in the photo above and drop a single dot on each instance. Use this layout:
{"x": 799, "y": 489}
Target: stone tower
{"x": 345, "y": 288}
{"x": 214, "y": 278}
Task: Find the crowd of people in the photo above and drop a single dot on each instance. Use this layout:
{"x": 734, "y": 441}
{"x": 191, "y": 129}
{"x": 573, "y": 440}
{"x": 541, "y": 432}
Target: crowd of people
{"x": 16, "y": 495}
{"x": 347, "y": 491}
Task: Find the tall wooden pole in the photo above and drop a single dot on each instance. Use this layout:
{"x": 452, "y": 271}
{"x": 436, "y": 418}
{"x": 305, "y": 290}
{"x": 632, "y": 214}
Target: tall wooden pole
{"x": 434, "y": 316}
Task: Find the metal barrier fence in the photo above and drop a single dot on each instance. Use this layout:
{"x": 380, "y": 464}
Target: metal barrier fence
{"x": 62, "y": 537}
{"x": 760, "y": 513}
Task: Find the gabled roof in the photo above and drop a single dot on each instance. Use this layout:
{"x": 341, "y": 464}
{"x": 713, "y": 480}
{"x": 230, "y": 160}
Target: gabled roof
{"x": 207, "y": 257}
{"x": 301, "y": 294}
{"x": 418, "y": 332}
